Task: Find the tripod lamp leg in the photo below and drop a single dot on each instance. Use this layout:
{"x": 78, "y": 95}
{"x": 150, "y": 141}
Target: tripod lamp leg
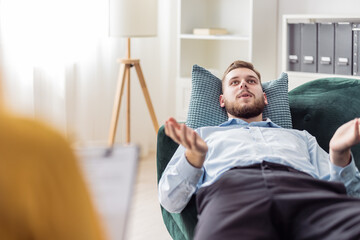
{"x": 117, "y": 102}
{"x": 147, "y": 96}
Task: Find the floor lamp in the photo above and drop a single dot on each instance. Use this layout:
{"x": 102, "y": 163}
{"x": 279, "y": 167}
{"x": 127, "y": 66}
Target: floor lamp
{"x": 131, "y": 18}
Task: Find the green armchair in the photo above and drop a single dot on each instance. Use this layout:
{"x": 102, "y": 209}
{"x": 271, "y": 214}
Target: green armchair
{"x": 319, "y": 106}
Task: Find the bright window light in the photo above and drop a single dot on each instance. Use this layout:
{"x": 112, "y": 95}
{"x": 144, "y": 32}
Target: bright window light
{"x": 49, "y": 32}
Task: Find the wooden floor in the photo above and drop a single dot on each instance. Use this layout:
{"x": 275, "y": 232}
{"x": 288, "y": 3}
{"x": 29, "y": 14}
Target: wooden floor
{"x": 145, "y": 221}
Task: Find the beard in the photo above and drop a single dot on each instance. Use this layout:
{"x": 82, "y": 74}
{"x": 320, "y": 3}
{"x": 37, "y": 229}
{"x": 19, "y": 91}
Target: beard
{"x": 247, "y": 111}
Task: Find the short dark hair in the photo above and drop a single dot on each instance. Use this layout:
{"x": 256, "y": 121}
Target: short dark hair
{"x": 240, "y": 64}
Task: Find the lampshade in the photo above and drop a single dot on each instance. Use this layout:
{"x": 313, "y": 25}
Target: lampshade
{"x": 133, "y": 18}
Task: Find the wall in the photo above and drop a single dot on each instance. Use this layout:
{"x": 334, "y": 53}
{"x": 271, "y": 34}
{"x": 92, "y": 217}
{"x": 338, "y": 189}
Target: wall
{"x": 319, "y": 7}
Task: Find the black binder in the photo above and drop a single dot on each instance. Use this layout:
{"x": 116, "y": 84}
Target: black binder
{"x": 356, "y": 49}
{"x": 294, "y": 50}
{"x": 308, "y": 47}
{"x": 326, "y": 44}
{"x": 343, "y": 48}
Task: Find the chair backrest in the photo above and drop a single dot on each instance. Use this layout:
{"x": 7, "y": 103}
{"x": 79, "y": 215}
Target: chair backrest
{"x": 319, "y": 107}
{"x": 322, "y": 105}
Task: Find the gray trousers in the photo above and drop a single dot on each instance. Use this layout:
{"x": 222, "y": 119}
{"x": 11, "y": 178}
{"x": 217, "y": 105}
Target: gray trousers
{"x": 272, "y": 201}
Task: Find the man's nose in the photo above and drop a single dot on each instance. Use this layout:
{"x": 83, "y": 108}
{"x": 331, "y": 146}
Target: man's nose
{"x": 243, "y": 84}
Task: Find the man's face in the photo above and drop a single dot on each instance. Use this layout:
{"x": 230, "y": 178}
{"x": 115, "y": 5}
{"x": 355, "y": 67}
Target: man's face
{"x": 243, "y": 96}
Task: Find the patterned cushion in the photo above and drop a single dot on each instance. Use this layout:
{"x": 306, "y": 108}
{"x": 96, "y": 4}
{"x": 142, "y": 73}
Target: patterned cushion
{"x": 205, "y": 110}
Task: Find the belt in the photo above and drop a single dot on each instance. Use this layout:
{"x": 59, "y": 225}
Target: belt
{"x": 265, "y": 165}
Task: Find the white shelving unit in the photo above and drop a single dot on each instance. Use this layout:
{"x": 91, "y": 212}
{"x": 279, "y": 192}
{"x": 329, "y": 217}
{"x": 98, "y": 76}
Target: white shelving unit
{"x": 298, "y": 78}
{"x": 252, "y": 31}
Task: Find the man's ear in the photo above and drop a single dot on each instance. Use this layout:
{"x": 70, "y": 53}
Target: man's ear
{"x": 222, "y": 101}
{"x": 265, "y": 99}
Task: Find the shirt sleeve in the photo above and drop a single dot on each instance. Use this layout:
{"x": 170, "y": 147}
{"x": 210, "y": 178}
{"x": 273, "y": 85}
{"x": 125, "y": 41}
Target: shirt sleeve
{"x": 348, "y": 175}
{"x": 178, "y": 182}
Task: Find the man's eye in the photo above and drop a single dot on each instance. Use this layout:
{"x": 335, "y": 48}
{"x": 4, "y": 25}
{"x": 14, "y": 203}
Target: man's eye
{"x": 234, "y": 83}
{"x": 252, "y": 81}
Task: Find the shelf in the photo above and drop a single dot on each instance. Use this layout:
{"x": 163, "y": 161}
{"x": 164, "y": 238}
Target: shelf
{"x": 215, "y": 14}
{"x": 319, "y": 18}
{"x": 251, "y": 37}
{"x": 210, "y": 54}
{"x": 320, "y": 75}
{"x": 298, "y": 78}
{"x": 307, "y": 76}
{"x": 215, "y": 37}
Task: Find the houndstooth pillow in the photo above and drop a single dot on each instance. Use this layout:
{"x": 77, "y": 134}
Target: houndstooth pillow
{"x": 205, "y": 110}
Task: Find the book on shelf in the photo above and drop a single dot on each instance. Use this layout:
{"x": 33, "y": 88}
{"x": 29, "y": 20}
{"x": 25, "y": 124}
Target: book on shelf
{"x": 210, "y": 31}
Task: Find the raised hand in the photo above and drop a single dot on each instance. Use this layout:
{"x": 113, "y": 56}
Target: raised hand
{"x": 344, "y": 138}
{"x": 196, "y": 148}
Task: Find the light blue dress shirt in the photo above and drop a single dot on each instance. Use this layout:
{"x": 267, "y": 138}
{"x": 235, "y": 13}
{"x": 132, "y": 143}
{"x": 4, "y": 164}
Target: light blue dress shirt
{"x": 238, "y": 143}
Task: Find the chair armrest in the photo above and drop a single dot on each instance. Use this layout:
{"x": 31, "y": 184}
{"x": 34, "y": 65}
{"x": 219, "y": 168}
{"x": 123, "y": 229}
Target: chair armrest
{"x": 180, "y": 225}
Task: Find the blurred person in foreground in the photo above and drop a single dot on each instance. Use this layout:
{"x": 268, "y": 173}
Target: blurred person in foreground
{"x": 43, "y": 195}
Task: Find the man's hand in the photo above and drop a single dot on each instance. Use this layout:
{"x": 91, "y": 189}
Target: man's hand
{"x": 344, "y": 138}
{"x": 196, "y": 148}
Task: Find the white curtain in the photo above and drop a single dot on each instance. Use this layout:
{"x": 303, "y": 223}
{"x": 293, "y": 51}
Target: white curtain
{"x": 59, "y": 65}
{"x": 52, "y": 52}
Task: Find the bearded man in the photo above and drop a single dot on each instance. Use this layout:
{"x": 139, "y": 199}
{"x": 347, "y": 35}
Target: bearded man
{"x": 256, "y": 180}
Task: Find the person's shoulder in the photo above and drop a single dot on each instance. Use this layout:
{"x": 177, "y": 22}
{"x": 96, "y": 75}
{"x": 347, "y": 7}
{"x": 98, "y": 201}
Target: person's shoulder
{"x": 299, "y": 132}
{"x": 23, "y": 133}
{"x": 207, "y": 128}
{"x": 27, "y": 127}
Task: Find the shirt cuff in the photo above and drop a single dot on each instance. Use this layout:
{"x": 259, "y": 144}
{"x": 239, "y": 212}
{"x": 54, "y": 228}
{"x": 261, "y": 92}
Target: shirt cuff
{"x": 188, "y": 171}
{"x": 343, "y": 174}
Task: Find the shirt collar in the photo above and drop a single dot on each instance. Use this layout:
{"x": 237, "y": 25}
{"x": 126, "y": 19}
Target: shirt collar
{"x": 237, "y": 121}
